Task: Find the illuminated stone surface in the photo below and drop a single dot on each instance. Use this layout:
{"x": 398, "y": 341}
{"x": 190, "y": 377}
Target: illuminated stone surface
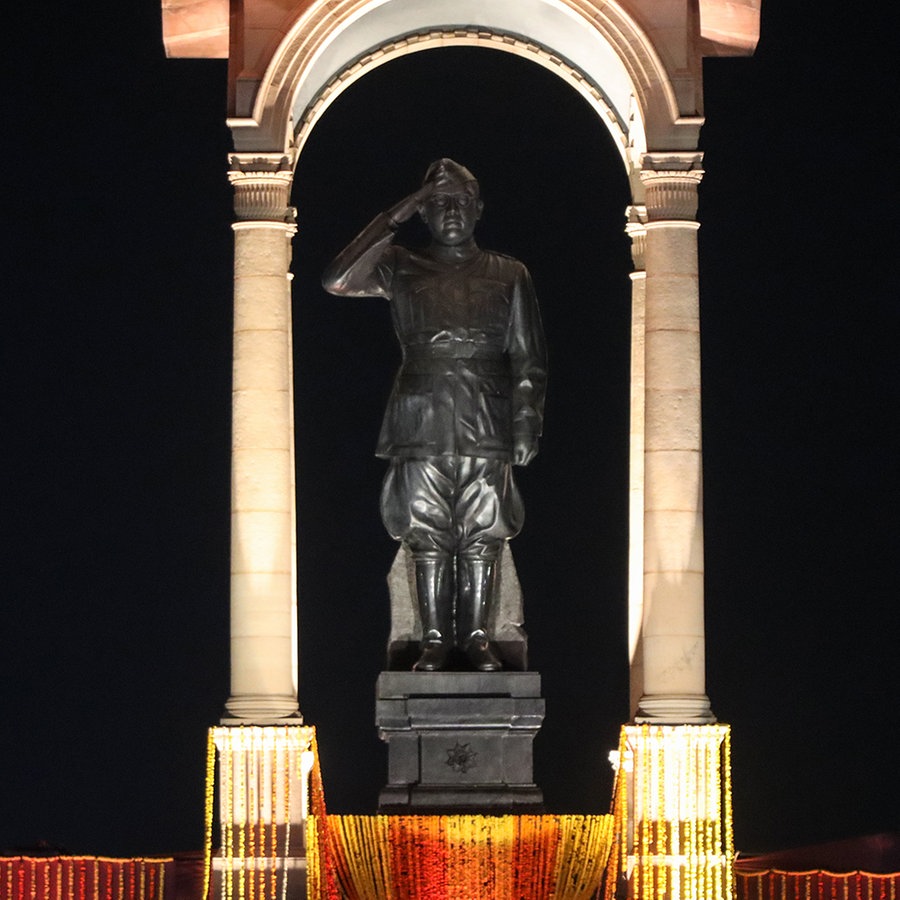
{"x": 673, "y": 688}
{"x": 196, "y": 28}
{"x": 733, "y": 25}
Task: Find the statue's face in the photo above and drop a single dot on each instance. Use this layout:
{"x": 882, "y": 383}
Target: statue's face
{"x": 451, "y": 213}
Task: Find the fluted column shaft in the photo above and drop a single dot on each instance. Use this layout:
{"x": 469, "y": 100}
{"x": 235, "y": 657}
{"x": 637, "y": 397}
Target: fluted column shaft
{"x": 672, "y": 633}
{"x": 263, "y": 568}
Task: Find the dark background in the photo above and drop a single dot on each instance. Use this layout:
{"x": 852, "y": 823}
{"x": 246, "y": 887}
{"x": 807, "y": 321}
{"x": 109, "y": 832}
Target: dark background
{"x": 116, "y": 374}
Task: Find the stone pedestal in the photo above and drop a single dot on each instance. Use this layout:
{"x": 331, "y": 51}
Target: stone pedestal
{"x": 459, "y": 741}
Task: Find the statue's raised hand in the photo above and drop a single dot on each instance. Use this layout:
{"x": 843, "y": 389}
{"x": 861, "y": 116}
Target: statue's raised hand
{"x": 408, "y": 206}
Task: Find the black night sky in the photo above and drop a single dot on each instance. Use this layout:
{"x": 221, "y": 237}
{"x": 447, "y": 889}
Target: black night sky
{"x": 116, "y": 373}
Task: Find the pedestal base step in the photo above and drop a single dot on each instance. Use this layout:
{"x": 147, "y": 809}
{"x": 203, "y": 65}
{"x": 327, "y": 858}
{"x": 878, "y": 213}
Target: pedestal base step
{"x": 526, "y": 800}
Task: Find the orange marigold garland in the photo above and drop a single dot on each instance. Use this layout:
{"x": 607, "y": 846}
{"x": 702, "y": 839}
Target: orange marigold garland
{"x": 323, "y": 882}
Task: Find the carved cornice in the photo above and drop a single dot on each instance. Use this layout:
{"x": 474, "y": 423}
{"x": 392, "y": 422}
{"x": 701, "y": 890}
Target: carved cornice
{"x": 262, "y": 187}
{"x": 672, "y": 161}
{"x": 670, "y": 183}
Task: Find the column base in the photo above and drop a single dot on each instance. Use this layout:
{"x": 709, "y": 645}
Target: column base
{"x": 675, "y": 709}
{"x": 262, "y": 709}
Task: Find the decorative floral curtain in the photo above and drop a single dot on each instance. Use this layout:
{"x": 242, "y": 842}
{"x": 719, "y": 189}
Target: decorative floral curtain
{"x": 672, "y": 804}
{"x": 82, "y": 878}
{"x": 772, "y": 884}
{"x": 458, "y": 857}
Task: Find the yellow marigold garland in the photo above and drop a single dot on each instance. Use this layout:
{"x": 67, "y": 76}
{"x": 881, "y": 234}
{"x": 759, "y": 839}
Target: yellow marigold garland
{"x": 208, "y": 797}
{"x": 672, "y": 806}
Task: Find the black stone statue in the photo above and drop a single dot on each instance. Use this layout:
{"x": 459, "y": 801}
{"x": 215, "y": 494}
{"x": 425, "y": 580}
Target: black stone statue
{"x": 467, "y": 403}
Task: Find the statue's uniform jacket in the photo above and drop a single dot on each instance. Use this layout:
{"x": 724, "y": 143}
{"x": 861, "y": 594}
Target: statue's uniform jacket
{"x": 474, "y": 366}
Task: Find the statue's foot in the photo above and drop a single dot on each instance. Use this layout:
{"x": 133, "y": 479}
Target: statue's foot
{"x": 481, "y": 657}
{"x": 433, "y": 657}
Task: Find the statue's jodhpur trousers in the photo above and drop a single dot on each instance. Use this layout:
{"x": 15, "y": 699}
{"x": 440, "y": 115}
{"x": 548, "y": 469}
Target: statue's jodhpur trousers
{"x": 453, "y": 512}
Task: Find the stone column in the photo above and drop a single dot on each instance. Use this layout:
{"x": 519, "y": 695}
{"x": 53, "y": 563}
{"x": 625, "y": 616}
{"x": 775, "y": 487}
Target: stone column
{"x": 263, "y": 568}
{"x": 672, "y": 634}
{"x": 637, "y": 231}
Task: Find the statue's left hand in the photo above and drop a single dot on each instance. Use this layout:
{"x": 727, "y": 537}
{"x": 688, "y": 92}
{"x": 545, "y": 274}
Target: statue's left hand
{"x": 525, "y": 448}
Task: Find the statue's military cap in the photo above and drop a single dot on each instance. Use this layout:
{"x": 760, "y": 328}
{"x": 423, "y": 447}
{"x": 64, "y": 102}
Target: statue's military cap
{"x": 445, "y": 173}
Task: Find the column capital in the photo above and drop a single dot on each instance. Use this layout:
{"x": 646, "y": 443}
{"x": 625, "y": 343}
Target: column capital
{"x": 262, "y": 187}
{"x": 636, "y": 229}
{"x": 670, "y": 182}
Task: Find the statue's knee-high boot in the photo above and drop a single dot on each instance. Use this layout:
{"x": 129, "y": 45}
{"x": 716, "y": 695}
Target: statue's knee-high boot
{"x": 476, "y": 579}
{"x": 434, "y": 591}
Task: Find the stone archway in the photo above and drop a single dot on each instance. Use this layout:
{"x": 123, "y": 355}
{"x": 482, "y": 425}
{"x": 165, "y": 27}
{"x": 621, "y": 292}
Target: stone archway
{"x": 640, "y": 70}
{"x": 639, "y": 65}
{"x": 597, "y": 45}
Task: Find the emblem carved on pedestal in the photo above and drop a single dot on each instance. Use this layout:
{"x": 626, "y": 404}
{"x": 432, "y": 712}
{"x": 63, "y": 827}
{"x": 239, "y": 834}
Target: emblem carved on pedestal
{"x": 461, "y": 758}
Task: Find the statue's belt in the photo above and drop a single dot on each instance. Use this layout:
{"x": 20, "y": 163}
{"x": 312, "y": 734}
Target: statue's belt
{"x": 453, "y": 350}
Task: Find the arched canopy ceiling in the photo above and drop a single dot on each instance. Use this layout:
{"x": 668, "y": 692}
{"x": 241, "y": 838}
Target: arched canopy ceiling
{"x": 596, "y": 45}
{"x": 637, "y": 63}
{"x": 622, "y": 119}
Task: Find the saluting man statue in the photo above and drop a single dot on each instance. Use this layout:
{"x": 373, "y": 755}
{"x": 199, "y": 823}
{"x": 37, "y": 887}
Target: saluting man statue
{"x": 467, "y": 403}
